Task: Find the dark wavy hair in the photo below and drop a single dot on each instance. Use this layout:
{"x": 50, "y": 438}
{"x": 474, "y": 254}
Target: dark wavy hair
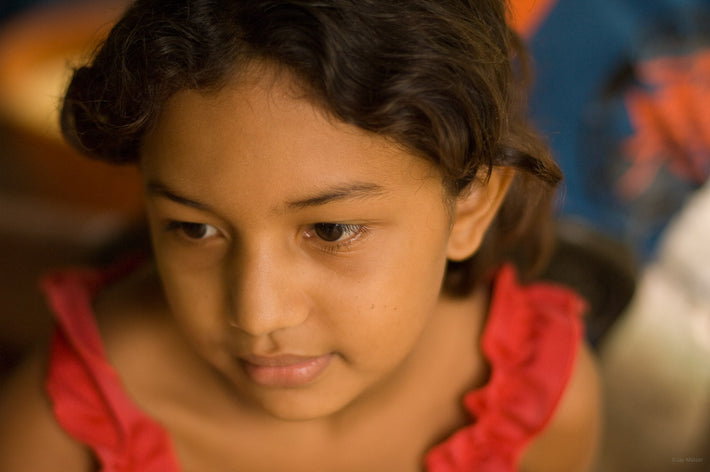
{"x": 441, "y": 77}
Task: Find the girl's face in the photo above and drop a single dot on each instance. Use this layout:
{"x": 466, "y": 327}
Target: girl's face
{"x": 302, "y": 257}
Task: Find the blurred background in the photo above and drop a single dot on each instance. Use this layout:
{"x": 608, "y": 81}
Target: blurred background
{"x": 622, "y": 93}
{"x": 56, "y": 208}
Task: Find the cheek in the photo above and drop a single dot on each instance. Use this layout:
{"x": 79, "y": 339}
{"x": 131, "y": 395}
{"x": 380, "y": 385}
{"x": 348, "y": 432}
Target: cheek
{"x": 376, "y": 339}
{"x": 195, "y": 302}
{"x": 380, "y": 318}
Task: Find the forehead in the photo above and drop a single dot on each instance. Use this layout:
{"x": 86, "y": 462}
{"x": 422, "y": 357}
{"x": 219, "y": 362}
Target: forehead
{"x": 262, "y": 130}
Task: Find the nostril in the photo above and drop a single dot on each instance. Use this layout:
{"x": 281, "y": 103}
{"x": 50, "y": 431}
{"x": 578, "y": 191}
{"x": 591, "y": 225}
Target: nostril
{"x": 264, "y": 322}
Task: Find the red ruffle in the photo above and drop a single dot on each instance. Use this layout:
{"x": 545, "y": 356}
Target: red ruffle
{"x": 530, "y": 341}
{"x": 88, "y": 397}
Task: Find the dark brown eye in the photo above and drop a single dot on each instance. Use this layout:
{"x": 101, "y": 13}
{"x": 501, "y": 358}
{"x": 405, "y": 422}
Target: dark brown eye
{"x": 193, "y": 230}
{"x": 330, "y": 232}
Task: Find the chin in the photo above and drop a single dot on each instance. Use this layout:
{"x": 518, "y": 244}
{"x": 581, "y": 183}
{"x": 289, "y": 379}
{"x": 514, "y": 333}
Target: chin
{"x": 312, "y": 403}
{"x": 301, "y": 406}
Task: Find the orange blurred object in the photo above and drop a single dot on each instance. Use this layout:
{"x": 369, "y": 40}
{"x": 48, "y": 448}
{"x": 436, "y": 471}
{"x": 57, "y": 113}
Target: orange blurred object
{"x": 527, "y": 15}
{"x": 38, "y": 49}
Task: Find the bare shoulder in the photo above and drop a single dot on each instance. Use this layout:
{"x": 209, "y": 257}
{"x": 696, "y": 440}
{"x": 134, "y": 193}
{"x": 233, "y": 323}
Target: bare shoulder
{"x": 570, "y": 441}
{"x": 30, "y": 438}
{"x": 142, "y": 342}
{"x": 131, "y": 303}
{"x": 134, "y": 326}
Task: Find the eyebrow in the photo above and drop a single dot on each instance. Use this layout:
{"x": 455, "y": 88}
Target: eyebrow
{"x": 351, "y": 191}
{"x": 162, "y": 190}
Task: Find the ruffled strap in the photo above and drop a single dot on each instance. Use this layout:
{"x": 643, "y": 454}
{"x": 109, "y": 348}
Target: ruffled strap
{"x": 88, "y": 398}
{"x": 530, "y": 340}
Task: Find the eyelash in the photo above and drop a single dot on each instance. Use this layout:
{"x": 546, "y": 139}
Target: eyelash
{"x": 333, "y": 247}
{"x": 357, "y": 231}
{"x": 183, "y": 228}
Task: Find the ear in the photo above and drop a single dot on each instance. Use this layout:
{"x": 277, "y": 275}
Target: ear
{"x": 474, "y": 211}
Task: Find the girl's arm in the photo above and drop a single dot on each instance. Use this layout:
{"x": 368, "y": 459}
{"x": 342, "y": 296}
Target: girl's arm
{"x": 569, "y": 442}
{"x": 30, "y": 438}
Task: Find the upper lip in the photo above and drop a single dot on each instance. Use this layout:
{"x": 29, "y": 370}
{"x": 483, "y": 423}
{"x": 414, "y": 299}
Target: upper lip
{"x": 281, "y": 360}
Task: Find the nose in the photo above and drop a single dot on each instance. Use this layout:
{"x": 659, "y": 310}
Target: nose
{"x": 266, "y": 295}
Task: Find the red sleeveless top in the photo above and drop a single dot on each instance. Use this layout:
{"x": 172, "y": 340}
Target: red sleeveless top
{"x": 530, "y": 340}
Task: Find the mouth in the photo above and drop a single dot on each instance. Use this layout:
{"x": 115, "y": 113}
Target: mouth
{"x": 284, "y": 371}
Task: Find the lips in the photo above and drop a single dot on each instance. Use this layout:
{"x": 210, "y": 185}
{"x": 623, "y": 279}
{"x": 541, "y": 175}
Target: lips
{"x": 285, "y": 371}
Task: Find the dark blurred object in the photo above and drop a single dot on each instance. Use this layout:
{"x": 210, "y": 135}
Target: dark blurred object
{"x": 57, "y": 208}
{"x": 133, "y": 241}
{"x": 12, "y": 7}
{"x": 24, "y": 321}
{"x": 602, "y": 270}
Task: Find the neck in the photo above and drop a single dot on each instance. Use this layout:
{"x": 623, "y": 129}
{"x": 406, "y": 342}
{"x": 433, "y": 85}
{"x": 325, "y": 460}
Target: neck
{"x": 415, "y": 410}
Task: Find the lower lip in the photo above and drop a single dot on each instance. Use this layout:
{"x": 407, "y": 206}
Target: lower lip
{"x": 288, "y": 376}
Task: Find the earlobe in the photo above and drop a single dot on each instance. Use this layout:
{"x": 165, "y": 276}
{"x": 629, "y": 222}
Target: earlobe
{"x": 474, "y": 211}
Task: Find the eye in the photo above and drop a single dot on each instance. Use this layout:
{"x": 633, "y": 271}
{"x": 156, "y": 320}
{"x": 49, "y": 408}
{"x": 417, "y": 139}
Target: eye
{"x": 333, "y": 232}
{"x": 195, "y": 231}
{"x": 334, "y": 238}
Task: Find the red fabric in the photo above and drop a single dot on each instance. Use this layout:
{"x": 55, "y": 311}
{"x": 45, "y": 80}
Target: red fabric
{"x": 530, "y": 340}
{"x": 88, "y": 398}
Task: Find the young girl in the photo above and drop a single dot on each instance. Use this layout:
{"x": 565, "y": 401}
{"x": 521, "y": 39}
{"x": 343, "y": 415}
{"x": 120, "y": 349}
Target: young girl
{"x": 338, "y": 193}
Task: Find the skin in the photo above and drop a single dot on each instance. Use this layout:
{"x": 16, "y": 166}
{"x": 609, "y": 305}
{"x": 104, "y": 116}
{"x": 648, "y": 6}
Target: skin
{"x": 264, "y": 180}
{"x": 242, "y": 200}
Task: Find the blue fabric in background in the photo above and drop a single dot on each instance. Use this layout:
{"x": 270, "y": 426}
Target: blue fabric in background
{"x": 585, "y": 55}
